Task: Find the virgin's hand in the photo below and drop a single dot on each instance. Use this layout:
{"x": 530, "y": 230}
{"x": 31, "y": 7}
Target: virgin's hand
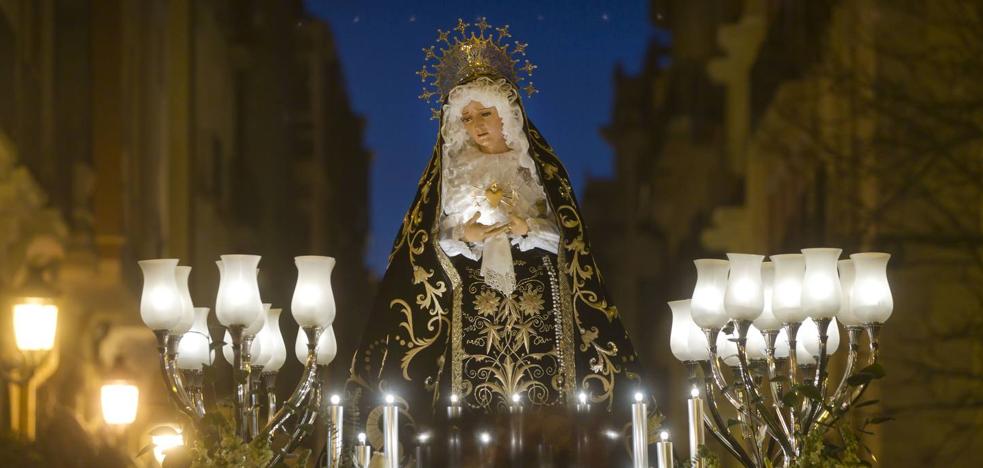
{"x": 473, "y": 231}
{"x": 477, "y": 232}
{"x": 518, "y": 226}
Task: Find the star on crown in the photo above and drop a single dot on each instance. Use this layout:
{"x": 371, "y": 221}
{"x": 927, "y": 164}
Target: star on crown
{"x": 473, "y": 51}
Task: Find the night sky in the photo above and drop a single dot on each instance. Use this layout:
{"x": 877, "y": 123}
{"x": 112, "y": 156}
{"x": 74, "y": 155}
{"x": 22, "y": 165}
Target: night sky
{"x": 575, "y": 46}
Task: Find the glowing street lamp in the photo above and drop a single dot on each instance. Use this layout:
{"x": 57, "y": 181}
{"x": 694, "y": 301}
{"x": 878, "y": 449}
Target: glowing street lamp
{"x": 120, "y": 400}
{"x": 35, "y": 323}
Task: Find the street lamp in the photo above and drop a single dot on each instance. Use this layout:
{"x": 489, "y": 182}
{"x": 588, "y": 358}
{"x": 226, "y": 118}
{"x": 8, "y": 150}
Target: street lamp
{"x": 35, "y": 321}
{"x": 120, "y": 398}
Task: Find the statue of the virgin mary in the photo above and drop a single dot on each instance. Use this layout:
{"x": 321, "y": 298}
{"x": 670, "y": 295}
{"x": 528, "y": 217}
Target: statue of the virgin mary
{"x": 492, "y": 291}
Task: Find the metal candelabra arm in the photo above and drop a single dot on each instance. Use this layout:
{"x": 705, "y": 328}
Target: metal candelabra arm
{"x": 269, "y": 381}
{"x": 717, "y": 374}
{"x": 794, "y": 423}
{"x": 774, "y": 386}
{"x": 842, "y": 400}
{"x": 720, "y": 431}
{"x": 819, "y": 381}
{"x": 302, "y": 405}
{"x": 853, "y": 334}
{"x": 752, "y": 391}
{"x": 172, "y": 377}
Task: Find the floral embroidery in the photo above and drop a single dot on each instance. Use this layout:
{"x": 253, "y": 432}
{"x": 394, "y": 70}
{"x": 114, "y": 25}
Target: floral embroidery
{"x": 531, "y": 302}
{"x": 486, "y": 303}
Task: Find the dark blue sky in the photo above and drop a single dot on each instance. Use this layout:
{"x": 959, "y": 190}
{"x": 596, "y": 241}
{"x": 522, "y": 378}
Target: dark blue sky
{"x": 576, "y": 47}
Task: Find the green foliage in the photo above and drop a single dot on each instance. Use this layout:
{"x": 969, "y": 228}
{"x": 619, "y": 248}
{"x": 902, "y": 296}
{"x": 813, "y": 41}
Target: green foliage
{"x": 219, "y": 446}
{"x": 818, "y": 452}
{"x": 706, "y": 456}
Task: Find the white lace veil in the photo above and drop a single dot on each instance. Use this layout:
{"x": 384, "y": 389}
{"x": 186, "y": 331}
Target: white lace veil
{"x": 489, "y": 92}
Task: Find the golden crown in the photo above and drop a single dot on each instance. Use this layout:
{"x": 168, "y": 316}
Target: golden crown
{"x": 471, "y": 55}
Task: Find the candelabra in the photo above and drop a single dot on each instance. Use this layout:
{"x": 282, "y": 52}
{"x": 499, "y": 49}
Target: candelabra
{"x": 253, "y": 344}
{"x": 758, "y": 336}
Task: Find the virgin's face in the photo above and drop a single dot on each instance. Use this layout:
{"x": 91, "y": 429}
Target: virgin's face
{"x": 484, "y": 126}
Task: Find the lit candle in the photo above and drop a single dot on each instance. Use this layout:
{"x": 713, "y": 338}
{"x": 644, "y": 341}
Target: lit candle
{"x": 639, "y": 427}
{"x": 484, "y": 439}
{"x": 454, "y": 408}
{"x": 423, "y": 450}
{"x": 390, "y": 422}
{"x": 453, "y": 431}
{"x": 583, "y": 406}
{"x": 515, "y": 429}
{"x": 363, "y": 452}
{"x": 696, "y": 434}
{"x": 335, "y": 416}
{"x": 664, "y": 450}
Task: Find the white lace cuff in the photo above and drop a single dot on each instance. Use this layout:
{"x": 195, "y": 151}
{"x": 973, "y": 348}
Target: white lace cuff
{"x": 542, "y": 234}
{"x": 455, "y": 247}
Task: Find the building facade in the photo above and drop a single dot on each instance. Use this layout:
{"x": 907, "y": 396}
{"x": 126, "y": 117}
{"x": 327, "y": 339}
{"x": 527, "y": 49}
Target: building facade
{"x": 767, "y": 127}
{"x": 172, "y": 128}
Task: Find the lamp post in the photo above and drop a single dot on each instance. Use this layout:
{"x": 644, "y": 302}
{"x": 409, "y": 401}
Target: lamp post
{"x": 35, "y": 320}
{"x": 119, "y": 398}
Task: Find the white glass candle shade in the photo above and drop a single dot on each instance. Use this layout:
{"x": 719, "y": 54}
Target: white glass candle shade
{"x": 254, "y": 349}
{"x": 781, "y": 344}
{"x": 160, "y": 302}
{"x": 679, "y": 334}
{"x": 727, "y": 349}
{"x": 767, "y": 320}
{"x": 847, "y": 315}
{"x": 313, "y": 301}
{"x": 697, "y": 345}
{"x": 808, "y": 336}
{"x": 744, "y": 299}
{"x": 193, "y": 350}
{"x": 218, "y": 294}
{"x": 239, "y": 303}
{"x": 755, "y": 344}
{"x": 786, "y": 296}
{"x": 833, "y": 340}
{"x": 183, "y": 273}
{"x": 260, "y": 358}
{"x": 871, "y": 297}
{"x": 278, "y": 350}
{"x": 707, "y": 304}
{"x": 686, "y": 340}
{"x": 821, "y": 283}
{"x": 326, "y": 349}
{"x": 802, "y": 356}
{"x": 254, "y": 328}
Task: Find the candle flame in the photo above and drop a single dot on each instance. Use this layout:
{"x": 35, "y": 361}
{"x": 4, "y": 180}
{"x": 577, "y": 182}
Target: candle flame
{"x": 664, "y": 435}
{"x": 639, "y": 397}
{"x": 390, "y": 399}
{"x": 361, "y": 438}
{"x": 582, "y": 397}
{"x": 694, "y": 392}
{"x": 454, "y": 398}
{"x": 335, "y": 400}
